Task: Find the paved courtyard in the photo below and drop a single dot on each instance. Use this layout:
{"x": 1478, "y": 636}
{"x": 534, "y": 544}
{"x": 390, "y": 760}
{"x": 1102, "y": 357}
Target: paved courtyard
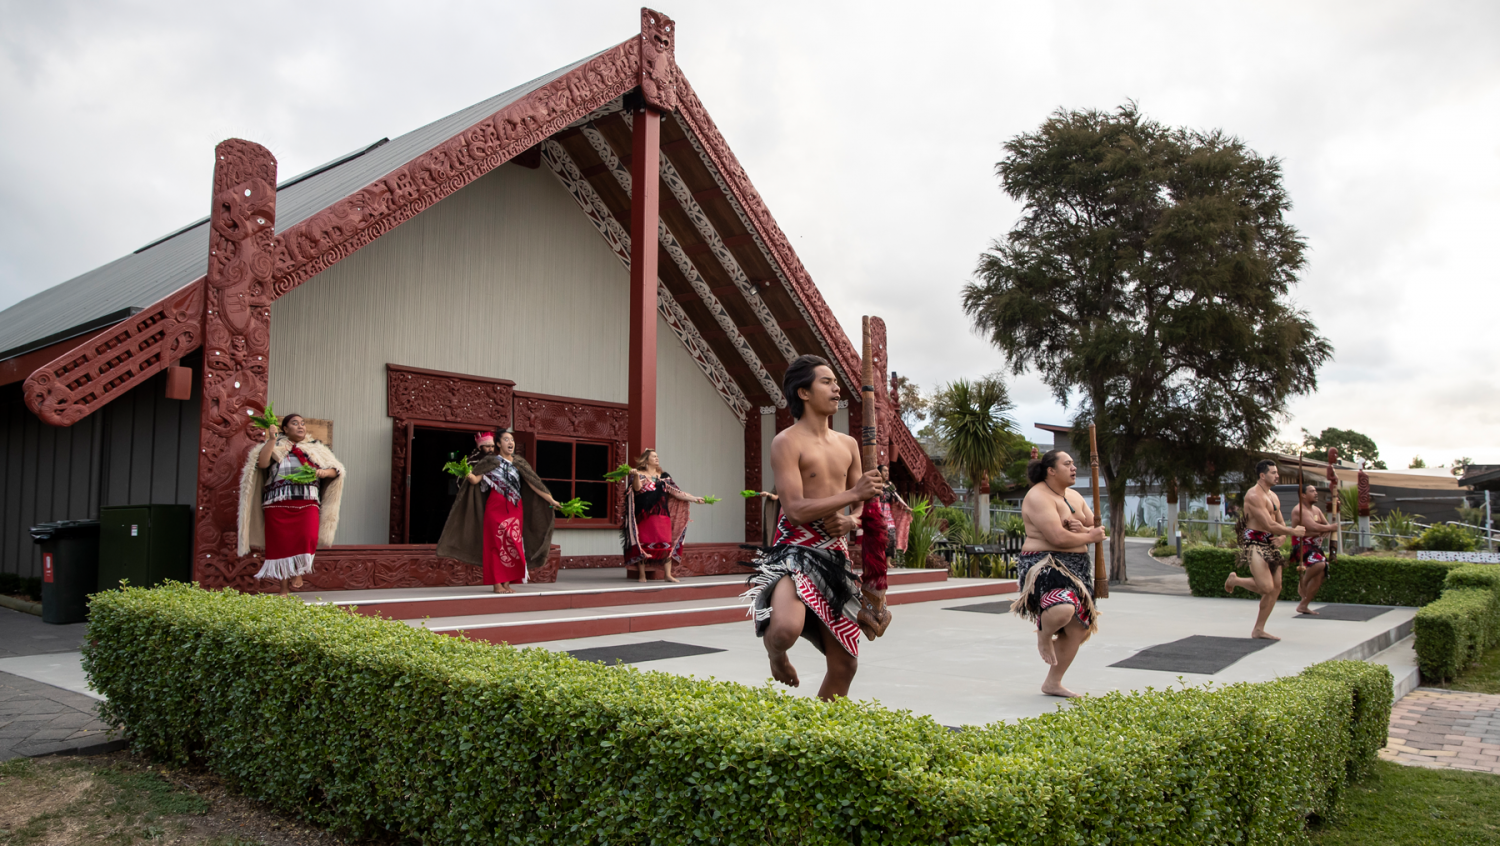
{"x": 39, "y": 714}
{"x": 1446, "y": 729}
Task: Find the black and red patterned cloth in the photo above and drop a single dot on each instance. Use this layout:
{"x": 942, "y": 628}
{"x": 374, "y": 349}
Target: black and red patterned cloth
{"x": 817, "y": 562}
{"x": 1051, "y": 578}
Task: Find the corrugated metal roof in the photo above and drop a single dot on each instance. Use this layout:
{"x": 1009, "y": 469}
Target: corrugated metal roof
{"x": 151, "y": 273}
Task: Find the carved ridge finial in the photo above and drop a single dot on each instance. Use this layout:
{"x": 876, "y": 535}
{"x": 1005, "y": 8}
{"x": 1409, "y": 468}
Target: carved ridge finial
{"x": 658, "y": 60}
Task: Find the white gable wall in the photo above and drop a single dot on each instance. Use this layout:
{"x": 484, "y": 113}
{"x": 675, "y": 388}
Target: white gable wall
{"x": 506, "y": 279}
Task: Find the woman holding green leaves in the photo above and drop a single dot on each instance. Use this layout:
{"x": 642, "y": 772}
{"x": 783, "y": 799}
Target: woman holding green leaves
{"x": 656, "y": 516}
{"x": 289, "y": 500}
{"x": 504, "y": 511}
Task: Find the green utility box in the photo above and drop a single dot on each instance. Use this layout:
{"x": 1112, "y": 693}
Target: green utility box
{"x": 145, "y": 544}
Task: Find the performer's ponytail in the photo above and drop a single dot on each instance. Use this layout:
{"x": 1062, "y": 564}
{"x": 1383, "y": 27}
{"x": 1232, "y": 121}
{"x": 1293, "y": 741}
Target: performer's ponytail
{"x": 1036, "y": 471}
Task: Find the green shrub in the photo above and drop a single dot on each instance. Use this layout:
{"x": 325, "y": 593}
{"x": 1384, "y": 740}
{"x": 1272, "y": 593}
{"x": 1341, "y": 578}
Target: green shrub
{"x": 1453, "y": 631}
{"x": 1356, "y": 579}
{"x": 1481, "y": 577}
{"x": 1446, "y": 538}
{"x": 12, "y": 584}
{"x": 371, "y": 726}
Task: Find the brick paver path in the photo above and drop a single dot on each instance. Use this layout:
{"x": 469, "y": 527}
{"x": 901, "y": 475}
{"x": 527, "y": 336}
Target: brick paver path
{"x": 1446, "y": 729}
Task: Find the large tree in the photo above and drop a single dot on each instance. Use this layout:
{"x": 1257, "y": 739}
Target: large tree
{"x": 1352, "y": 446}
{"x": 1148, "y": 278}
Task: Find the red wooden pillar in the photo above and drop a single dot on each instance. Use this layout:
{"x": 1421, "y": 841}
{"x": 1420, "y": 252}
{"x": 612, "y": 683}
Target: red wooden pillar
{"x": 236, "y": 350}
{"x": 753, "y": 505}
{"x": 645, "y": 159}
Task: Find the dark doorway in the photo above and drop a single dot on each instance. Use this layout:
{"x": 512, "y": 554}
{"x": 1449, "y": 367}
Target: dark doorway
{"x": 432, "y": 490}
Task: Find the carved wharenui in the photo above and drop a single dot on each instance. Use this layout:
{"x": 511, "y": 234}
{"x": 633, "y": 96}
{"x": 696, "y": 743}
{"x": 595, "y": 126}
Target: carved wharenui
{"x": 236, "y": 349}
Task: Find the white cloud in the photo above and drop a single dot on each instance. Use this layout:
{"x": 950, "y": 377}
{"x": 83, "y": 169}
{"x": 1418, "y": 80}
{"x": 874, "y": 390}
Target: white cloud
{"x": 871, "y": 128}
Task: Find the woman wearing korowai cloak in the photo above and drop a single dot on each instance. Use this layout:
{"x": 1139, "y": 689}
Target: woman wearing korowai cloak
{"x": 284, "y": 509}
{"x": 656, "y": 516}
{"x": 1057, "y": 575}
{"x": 502, "y": 519}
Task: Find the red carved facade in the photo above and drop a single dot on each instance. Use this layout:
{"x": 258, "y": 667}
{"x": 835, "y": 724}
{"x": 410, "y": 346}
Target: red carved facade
{"x": 569, "y": 417}
{"x": 236, "y": 351}
{"x": 414, "y": 396}
{"x": 402, "y": 566}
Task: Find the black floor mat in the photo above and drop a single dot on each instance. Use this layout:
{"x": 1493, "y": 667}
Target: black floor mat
{"x": 635, "y": 653}
{"x": 1199, "y": 654}
{"x": 984, "y": 607}
{"x": 1351, "y": 613}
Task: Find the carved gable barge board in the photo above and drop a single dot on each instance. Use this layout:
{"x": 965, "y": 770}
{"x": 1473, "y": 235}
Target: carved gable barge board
{"x": 417, "y": 396}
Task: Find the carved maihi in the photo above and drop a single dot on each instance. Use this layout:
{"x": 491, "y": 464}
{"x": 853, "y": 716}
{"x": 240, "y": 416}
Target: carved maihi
{"x": 658, "y": 60}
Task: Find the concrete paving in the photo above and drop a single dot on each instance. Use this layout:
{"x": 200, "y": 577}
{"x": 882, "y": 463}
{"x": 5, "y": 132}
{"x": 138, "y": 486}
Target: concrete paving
{"x": 46, "y": 706}
{"x": 966, "y": 668}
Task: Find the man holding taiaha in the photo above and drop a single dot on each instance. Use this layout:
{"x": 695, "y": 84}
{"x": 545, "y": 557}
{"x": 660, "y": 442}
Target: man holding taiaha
{"x": 1055, "y": 569}
{"x": 804, "y": 585}
{"x": 1258, "y": 533}
{"x": 1307, "y": 551}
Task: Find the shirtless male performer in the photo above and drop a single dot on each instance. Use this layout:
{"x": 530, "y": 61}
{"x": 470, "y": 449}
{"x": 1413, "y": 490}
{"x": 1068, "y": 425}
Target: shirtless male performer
{"x": 1258, "y": 534}
{"x": 1056, "y": 572}
{"x": 803, "y": 585}
{"x": 1307, "y": 551}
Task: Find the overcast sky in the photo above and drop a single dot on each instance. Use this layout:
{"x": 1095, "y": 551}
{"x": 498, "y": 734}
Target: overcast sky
{"x": 872, "y": 129}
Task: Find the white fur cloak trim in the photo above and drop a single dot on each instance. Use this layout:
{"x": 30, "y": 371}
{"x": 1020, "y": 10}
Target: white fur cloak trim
{"x": 252, "y": 523}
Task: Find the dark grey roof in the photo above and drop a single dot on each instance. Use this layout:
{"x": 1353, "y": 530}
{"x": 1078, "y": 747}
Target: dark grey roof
{"x": 84, "y": 303}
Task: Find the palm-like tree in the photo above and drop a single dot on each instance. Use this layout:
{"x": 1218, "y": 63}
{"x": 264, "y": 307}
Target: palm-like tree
{"x": 973, "y": 425}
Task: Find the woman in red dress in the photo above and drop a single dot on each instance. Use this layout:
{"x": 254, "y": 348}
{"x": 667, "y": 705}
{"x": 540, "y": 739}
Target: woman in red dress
{"x": 504, "y": 550}
{"x": 656, "y": 516}
{"x": 287, "y": 519}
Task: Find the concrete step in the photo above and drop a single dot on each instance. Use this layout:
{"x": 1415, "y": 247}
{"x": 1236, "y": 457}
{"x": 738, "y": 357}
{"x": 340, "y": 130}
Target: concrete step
{"x": 536, "y": 626}
{"x": 470, "y": 602}
{"x": 1401, "y": 658}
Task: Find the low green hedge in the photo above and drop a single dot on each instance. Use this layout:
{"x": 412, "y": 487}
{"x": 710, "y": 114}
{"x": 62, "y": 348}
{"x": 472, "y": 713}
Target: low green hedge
{"x": 374, "y": 727}
{"x": 1455, "y": 630}
{"x": 1356, "y": 579}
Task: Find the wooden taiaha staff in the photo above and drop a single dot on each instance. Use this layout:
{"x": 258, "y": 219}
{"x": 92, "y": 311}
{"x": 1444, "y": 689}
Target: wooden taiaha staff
{"x": 874, "y": 617}
{"x": 1335, "y": 500}
{"x": 1101, "y": 576}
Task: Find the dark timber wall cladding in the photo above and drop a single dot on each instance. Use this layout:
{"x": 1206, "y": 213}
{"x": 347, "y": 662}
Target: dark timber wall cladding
{"x": 140, "y": 449}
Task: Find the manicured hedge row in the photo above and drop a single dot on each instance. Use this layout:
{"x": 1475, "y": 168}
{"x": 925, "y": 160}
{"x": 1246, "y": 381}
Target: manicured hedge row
{"x": 1456, "y": 629}
{"x": 372, "y": 726}
{"x": 1358, "y": 579}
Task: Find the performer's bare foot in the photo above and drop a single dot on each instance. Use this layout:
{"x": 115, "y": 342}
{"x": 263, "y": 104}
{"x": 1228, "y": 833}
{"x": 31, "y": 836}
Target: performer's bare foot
{"x": 1044, "y": 645}
{"x": 1058, "y": 690}
{"x": 1229, "y": 582}
{"x": 674, "y": 580}
{"x": 1303, "y": 609}
{"x": 1261, "y": 634}
{"x": 504, "y": 589}
{"x": 297, "y": 581}
{"x": 783, "y": 671}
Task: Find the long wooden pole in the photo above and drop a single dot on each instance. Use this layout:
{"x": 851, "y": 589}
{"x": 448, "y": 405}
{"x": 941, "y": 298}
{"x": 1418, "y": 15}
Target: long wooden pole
{"x": 1101, "y": 576}
{"x": 874, "y": 617}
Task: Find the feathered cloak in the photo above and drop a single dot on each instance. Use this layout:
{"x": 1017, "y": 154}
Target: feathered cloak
{"x": 252, "y": 521}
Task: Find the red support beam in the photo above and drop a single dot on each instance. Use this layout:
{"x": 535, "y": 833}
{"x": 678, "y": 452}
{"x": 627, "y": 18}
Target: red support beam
{"x": 645, "y": 195}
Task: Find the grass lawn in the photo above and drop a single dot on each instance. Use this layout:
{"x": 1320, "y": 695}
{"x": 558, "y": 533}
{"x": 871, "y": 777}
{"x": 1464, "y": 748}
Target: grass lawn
{"x": 120, "y": 799}
{"x": 1483, "y": 677}
{"x": 1402, "y": 805}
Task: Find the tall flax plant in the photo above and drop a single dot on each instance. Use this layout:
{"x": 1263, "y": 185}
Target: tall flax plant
{"x": 973, "y": 427}
{"x": 922, "y": 533}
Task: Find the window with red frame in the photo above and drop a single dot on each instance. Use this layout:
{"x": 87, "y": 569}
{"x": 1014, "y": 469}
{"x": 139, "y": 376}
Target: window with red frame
{"x": 574, "y": 468}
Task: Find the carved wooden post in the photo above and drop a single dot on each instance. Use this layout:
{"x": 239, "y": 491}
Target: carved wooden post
{"x": 1365, "y": 540}
{"x": 1336, "y": 542}
{"x": 658, "y": 87}
{"x": 236, "y": 349}
{"x": 753, "y": 505}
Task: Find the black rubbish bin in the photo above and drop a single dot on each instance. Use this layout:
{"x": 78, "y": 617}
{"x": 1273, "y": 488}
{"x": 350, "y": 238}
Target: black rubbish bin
{"x": 70, "y": 568}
